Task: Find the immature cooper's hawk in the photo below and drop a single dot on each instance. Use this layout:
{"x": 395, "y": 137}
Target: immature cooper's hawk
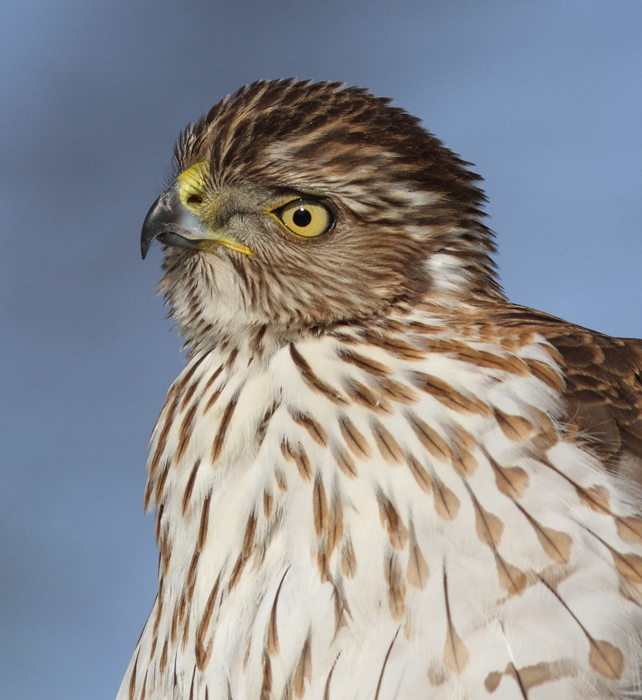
{"x": 376, "y": 478}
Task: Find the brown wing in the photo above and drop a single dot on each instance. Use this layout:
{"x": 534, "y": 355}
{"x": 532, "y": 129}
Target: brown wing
{"x": 603, "y": 391}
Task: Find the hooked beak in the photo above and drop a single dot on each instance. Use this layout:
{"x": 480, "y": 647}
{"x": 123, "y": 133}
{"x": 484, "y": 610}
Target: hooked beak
{"x": 173, "y": 224}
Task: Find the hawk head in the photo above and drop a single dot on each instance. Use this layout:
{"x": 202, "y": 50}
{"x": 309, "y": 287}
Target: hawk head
{"x": 297, "y": 205}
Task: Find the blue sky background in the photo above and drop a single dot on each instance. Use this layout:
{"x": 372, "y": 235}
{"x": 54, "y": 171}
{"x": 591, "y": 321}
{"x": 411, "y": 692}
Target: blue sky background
{"x": 544, "y": 96}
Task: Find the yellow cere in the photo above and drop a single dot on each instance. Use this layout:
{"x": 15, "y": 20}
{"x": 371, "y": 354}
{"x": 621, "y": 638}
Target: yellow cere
{"x": 192, "y": 184}
{"x": 307, "y": 218}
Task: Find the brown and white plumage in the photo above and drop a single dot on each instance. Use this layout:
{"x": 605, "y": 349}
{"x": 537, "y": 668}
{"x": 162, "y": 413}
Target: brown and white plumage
{"x": 376, "y": 478}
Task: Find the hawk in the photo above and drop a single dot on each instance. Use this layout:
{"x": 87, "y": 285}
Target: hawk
{"x": 376, "y": 478}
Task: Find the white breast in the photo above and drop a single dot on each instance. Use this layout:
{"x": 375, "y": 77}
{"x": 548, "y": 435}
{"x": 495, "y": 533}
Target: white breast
{"x": 346, "y": 520}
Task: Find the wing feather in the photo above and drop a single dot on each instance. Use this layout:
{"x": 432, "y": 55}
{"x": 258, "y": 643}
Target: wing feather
{"x": 603, "y": 386}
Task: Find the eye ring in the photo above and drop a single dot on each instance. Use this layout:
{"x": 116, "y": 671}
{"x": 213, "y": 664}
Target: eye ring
{"x": 305, "y": 218}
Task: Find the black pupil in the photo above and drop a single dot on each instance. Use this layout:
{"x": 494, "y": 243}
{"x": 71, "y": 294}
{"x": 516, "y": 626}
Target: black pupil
{"x": 302, "y": 217}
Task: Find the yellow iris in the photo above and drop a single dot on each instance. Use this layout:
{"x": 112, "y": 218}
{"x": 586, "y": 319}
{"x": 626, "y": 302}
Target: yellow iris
{"x": 307, "y": 218}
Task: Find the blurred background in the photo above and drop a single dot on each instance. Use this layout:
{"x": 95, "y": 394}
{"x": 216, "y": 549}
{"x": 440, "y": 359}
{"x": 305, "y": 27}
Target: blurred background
{"x": 544, "y": 96}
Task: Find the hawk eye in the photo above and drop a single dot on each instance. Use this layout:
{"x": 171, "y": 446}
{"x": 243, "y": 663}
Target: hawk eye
{"x": 307, "y": 218}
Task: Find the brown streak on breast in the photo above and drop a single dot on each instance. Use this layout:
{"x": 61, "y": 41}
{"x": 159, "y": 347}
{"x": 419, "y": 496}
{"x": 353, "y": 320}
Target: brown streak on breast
{"x": 213, "y": 399}
{"x": 365, "y": 363}
{"x": 231, "y": 358}
{"x": 348, "y": 560}
{"x": 187, "y": 397}
{"x": 419, "y": 473}
{"x": 326, "y": 690}
{"x": 511, "y": 481}
{"x": 335, "y": 530}
{"x": 267, "y": 503}
{"x": 396, "y": 347}
{"x": 248, "y": 537}
{"x": 266, "y": 684}
{"x": 515, "y": 428}
{"x": 455, "y": 653}
{"x": 557, "y": 545}
{"x": 354, "y": 439}
{"x": 185, "y": 636}
{"x": 132, "y": 678}
{"x": 462, "y": 459}
{"x": 488, "y": 526}
{"x": 388, "y": 446}
{"x": 417, "y": 571}
{"x": 180, "y": 385}
{"x": 629, "y": 566}
{"x": 510, "y": 364}
{"x": 185, "y": 432}
{"x": 280, "y": 479}
{"x": 205, "y": 518}
{"x": 191, "y": 687}
{"x": 190, "y": 485}
{"x": 190, "y": 581}
{"x": 153, "y": 648}
{"x": 449, "y": 396}
{"x": 362, "y": 395}
{"x": 273, "y": 634}
{"x": 235, "y": 576}
{"x": 396, "y": 586}
{"x": 315, "y": 429}
{"x": 202, "y": 653}
{"x": 606, "y": 659}
{"x": 319, "y": 506}
{"x": 265, "y": 421}
{"x": 165, "y": 550}
{"x": 322, "y": 562}
{"x": 256, "y": 345}
{"x": 511, "y": 578}
{"x": 173, "y": 632}
{"x": 596, "y": 498}
{"x": 629, "y": 529}
{"x": 143, "y": 689}
{"x": 429, "y": 438}
{"x": 159, "y": 608}
{"x": 479, "y": 358}
{"x": 160, "y": 483}
{"x": 532, "y": 676}
{"x": 341, "y": 608}
{"x": 303, "y": 670}
{"x": 212, "y": 378}
{"x": 300, "y": 458}
{"x": 163, "y": 659}
{"x": 219, "y": 440}
{"x": 396, "y": 391}
{"x": 592, "y": 496}
{"x": 397, "y": 531}
{"x": 445, "y": 501}
{"x": 344, "y": 461}
{"x": 311, "y": 379}
{"x": 161, "y": 444}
